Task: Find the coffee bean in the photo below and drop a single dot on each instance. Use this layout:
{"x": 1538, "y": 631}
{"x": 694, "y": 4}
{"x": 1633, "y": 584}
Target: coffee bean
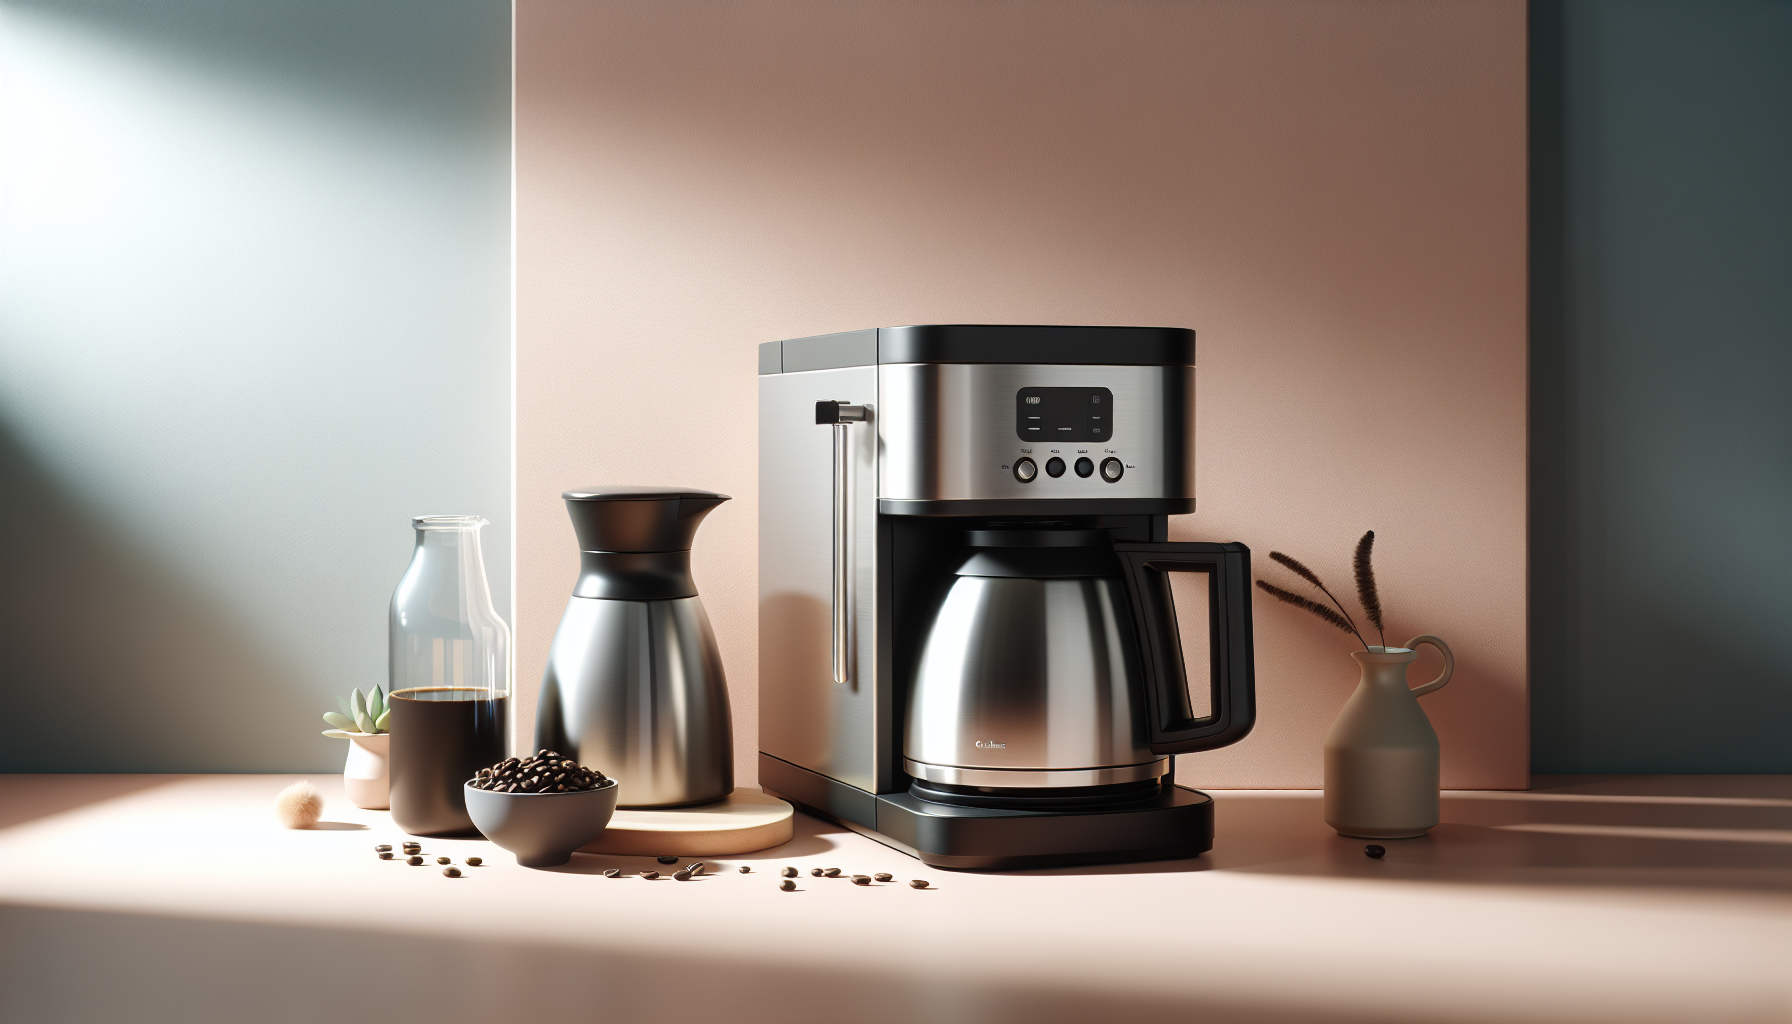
{"x": 612, "y": 872}
{"x": 682, "y": 874}
{"x": 917, "y": 883}
{"x": 832, "y": 872}
{"x": 787, "y": 885}
{"x": 1375, "y": 852}
{"x": 668, "y": 860}
{"x": 815, "y": 871}
{"x": 883, "y": 876}
{"x": 475, "y": 861}
{"x": 414, "y": 861}
{"x": 696, "y": 869}
{"x": 383, "y": 848}
{"x": 444, "y": 860}
{"x": 650, "y": 874}
{"x": 386, "y": 855}
{"x": 451, "y": 872}
{"x": 745, "y": 870}
{"x": 787, "y": 872}
{"x": 861, "y": 879}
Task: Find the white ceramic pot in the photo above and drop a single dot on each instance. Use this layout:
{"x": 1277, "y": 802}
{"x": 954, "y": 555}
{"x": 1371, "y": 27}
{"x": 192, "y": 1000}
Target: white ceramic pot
{"x": 1381, "y": 755}
{"x": 365, "y": 775}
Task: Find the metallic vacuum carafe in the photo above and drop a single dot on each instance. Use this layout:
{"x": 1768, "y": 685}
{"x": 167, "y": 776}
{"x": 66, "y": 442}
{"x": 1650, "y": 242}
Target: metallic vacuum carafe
{"x": 1029, "y": 677}
{"x": 969, "y": 648}
{"x": 634, "y": 685}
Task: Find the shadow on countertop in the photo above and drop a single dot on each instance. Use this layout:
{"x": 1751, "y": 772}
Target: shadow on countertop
{"x": 1657, "y": 832}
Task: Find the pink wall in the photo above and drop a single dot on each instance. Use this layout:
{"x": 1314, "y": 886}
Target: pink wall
{"x": 1331, "y": 193}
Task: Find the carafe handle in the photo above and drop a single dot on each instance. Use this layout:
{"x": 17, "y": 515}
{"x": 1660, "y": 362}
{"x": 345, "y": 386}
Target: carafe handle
{"x": 1232, "y": 679}
{"x": 1449, "y": 663}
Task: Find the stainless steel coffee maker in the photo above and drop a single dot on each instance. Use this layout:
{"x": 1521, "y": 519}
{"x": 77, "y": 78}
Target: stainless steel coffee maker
{"x": 634, "y": 684}
{"x": 969, "y": 642}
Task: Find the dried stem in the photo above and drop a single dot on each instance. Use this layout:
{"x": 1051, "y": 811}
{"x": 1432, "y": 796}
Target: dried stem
{"x": 1365, "y": 585}
{"x": 1313, "y": 606}
{"x": 1312, "y": 577}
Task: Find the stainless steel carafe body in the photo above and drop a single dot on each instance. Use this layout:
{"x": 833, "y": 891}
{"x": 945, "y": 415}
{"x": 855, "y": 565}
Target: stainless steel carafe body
{"x": 634, "y": 684}
{"x": 1030, "y": 683}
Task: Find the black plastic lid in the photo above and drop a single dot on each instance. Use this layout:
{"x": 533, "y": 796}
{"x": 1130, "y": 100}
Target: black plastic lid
{"x": 634, "y": 519}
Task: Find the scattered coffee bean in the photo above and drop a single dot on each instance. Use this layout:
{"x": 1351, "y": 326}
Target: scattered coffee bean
{"x": 788, "y": 872}
{"x": 815, "y": 871}
{"x": 612, "y": 872}
{"x": 861, "y": 879}
{"x": 917, "y": 883}
{"x": 745, "y": 870}
{"x": 386, "y": 855}
{"x": 1375, "y": 852}
{"x": 695, "y": 869}
{"x": 883, "y": 876}
{"x": 383, "y": 848}
{"x": 788, "y": 885}
{"x": 451, "y": 872}
{"x": 682, "y": 874}
{"x": 832, "y": 872}
{"x": 668, "y": 860}
{"x": 650, "y": 874}
{"x": 414, "y": 860}
{"x": 444, "y": 860}
{"x": 474, "y": 862}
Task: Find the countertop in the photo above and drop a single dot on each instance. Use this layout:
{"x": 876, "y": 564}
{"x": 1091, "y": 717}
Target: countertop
{"x": 1611, "y": 898}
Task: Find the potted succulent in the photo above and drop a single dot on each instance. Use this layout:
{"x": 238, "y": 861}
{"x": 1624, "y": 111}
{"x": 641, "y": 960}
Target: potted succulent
{"x": 362, "y": 722}
{"x": 1381, "y": 754}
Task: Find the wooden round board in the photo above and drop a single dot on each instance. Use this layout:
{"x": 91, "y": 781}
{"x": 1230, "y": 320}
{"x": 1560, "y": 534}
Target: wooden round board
{"x": 747, "y": 821}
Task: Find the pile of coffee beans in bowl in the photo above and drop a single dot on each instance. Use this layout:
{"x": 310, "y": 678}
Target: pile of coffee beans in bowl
{"x": 545, "y": 772}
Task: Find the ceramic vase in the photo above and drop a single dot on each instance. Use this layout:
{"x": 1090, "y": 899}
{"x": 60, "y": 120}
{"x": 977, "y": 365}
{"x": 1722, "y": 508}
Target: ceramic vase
{"x": 1381, "y": 755}
{"x": 365, "y": 775}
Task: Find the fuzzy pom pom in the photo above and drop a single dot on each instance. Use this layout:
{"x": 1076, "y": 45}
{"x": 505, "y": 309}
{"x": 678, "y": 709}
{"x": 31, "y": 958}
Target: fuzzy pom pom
{"x": 299, "y": 805}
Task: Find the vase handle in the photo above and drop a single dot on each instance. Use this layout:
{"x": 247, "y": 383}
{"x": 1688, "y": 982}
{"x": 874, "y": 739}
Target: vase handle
{"x": 1449, "y": 662}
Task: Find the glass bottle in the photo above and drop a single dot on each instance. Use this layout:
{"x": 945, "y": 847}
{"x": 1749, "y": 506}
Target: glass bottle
{"x": 450, "y": 677}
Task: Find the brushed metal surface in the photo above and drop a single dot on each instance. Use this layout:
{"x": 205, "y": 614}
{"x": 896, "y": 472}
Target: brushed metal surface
{"x": 635, "y": 690}
{"x": 1024, "y": 673}
{"x": 1022, "y": 778}
{"x": 947, "y": 432}
{"x": 806, "y": 718}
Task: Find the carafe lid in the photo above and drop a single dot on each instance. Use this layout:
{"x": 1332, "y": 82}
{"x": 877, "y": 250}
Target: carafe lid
{"x": 633, "y": 518}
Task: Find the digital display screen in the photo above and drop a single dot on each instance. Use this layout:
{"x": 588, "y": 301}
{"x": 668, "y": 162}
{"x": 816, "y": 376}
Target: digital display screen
{"x": 1045, "y": 415}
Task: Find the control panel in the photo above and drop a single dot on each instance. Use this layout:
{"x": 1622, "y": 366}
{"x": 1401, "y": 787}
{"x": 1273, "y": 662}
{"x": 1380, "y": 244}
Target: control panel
{"x": 1000, "y": 432}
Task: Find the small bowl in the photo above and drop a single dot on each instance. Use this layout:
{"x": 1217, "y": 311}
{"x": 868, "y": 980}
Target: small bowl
{"x": 542, "y": 829}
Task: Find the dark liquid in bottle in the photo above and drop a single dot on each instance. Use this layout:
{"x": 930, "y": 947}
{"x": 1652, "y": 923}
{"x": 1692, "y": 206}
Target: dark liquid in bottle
{"x": 441, "y": 735}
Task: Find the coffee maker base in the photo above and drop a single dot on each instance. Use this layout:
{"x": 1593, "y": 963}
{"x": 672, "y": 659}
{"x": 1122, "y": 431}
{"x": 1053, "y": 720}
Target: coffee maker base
{"x": 1177, "y": 824}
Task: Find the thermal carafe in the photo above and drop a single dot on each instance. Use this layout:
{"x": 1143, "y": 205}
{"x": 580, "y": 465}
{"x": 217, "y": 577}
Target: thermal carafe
{"x": 634, "y": 684}
{"x": 969, "y": 648}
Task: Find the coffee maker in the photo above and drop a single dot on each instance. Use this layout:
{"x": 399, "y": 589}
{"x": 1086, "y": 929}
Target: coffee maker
{"x": 968, "y": 643}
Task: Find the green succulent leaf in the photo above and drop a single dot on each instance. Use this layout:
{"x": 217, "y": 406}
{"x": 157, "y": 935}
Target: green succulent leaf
{"x": 376, "y": 703}
{"x": 382, "y": 723}
{"x": 342, "y": 722}
{"x": 359, "y": 704}
{"x": 342, "y": 702}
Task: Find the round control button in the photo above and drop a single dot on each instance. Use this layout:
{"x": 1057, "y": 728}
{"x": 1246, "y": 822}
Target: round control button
{"x": 1025, "y": 470}
{"x": 1054, "y": 467}
{"x": 1085, "y": 468}
{"x": 1112, "y": 470}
